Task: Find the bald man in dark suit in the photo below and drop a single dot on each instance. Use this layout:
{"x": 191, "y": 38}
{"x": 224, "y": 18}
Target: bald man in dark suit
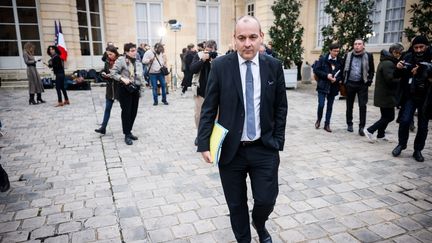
{"x": 247, "y": 92}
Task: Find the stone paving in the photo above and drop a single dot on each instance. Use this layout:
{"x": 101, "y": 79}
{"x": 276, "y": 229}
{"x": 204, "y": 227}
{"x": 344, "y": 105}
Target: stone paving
{"x": 68, "y": 184}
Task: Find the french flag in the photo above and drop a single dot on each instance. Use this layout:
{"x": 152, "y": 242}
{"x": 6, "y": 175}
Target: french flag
{"x": 59, "y": 41}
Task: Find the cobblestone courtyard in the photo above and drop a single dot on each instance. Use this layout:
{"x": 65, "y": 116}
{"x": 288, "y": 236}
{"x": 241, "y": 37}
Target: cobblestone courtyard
{"x": 69, "y": 184}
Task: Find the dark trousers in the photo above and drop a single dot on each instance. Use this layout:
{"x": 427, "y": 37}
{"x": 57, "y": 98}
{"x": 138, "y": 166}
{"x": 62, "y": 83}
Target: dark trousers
{"x": 387, "y": 116}
{"x": 262, "y": 166}
{"x": 407, "y": 115}
{"x": 60, "y": 88}
{"x": 361, "y": 90}
{"x": 321, "y": 102}
{"x": 107, "y": 113}
{"x": 129, "y": 106}
{"x": 184, "y": 89}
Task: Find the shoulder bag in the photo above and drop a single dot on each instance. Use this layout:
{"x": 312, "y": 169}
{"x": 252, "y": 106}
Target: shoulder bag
{"x": 163, "y": 69}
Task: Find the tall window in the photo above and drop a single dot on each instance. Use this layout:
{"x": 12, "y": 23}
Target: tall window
{"x": 208, "y": 20}
{"x": 323, "y": 19}
{"x": 387, "y": 17}
{"x": 18, "y": 25}
{"x": 90, "y": 28}
{"x": 250, "y": 8}
{"x": 149, "y": 22}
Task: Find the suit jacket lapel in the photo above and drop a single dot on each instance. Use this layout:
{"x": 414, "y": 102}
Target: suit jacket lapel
{"x": 236, "y": 75}
{"x": 263, "y": 65}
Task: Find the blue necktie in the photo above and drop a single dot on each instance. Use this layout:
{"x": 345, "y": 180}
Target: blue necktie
{"x": 250, "y": 108}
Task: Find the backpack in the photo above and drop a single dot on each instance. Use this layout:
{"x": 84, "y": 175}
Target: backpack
{"x": 47, "y": 83}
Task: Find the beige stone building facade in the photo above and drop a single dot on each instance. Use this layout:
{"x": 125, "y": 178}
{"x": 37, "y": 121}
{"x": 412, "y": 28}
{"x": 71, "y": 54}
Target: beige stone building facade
{"x": 88, "y": 24}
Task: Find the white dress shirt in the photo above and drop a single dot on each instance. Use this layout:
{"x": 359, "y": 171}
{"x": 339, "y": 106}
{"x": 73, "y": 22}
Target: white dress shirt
{"x": 257, "y": 94}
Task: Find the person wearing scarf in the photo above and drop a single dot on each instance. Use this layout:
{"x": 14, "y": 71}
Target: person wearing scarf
{"x": 359, "y": 70}
{"x": 111, "y": 87}
{"x": 128, "y": 75}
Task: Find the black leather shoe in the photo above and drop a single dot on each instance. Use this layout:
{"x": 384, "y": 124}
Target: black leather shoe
{"x": 263, "y": 235}
{"x": 133, "y": 137}
{"x": 101, "y": 130}
{"x": 165, "y": 102}
{"x": 128, "y": 140}
{"x": 361, "y": 132}
{"x": 327, "y": 128}
{"x": 350, "y": 128}
{"x": 4, "y": 180}
{"x": 155, "y": 103}
{"x": 317, "y": 124}
{"x": 196, "y": 141}
{"x": 398, "y": 150}
{"x": 418, "y": 156}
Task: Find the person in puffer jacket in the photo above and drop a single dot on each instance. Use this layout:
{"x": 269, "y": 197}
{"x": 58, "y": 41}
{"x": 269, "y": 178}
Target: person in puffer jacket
{"x": 386, "y": 90}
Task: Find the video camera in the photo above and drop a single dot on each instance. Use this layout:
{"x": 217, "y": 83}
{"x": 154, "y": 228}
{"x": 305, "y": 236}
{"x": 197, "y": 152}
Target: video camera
{"x": 407, "y": 65}
{"x": 427, "y": 65}
{"x": 213, "y": 54}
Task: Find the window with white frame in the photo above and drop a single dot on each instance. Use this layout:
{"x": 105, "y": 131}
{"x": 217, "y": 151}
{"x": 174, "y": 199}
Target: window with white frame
{"x": 18, "y": 24}
{"x": 323, "y": 19}
{"x": 388, "y": 19}
{"x": 149, "y": 22}
{"x": 90, "y": 27}
{"x": 208, "y": 20}
{"x": 250, "y": 8}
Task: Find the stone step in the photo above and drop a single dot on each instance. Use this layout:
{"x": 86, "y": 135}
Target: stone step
{"x": 14, "y": 84}
{"x": 23, "y": 84}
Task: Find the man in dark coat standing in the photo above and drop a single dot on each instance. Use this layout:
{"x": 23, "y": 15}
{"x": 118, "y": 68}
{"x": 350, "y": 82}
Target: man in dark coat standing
{"x": 417, "y": 68}
{"x": 358, "y": 72}
{"x": 246, "y": 91}
{"x": 187, "y": 79}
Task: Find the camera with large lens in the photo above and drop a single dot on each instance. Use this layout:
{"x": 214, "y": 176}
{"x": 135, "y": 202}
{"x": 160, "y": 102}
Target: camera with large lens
{"x": 213, "y": 54}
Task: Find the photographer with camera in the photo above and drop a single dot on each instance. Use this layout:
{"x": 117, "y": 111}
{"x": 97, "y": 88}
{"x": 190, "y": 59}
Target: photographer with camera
{"x": 111, "y": 86}
{"x": 416, "y": 84}
{"x": 156, "y": 61}
{"x": 127, "y": 71}
{"x": 200, "y": 67}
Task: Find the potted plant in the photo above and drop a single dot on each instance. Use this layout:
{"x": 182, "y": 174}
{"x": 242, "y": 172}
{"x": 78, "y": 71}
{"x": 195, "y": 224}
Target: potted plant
{"x": 421, "y": 22}
{"x": 286, "y": 34}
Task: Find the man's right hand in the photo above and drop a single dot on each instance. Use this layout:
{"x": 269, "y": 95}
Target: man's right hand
{"x": 205, "y": 56}
{"x": 206, "y": 156}
{"x": 125, "y": 80}
{"x": 400, "y": 65}
{"x": 331, "y": 78}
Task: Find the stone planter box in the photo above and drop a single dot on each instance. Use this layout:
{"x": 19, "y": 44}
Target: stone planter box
{"x": 290, "y": 78}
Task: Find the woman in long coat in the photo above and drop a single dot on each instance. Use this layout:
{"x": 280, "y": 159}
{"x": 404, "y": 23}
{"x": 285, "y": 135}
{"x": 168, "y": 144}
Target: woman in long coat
{"x": 35, "y": 83}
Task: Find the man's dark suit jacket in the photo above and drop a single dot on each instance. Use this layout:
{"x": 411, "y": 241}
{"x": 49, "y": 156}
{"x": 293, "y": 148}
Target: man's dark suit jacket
{"x": 224, "y": 97}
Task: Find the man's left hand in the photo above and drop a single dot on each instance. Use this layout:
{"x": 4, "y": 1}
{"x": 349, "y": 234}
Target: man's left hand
{"x": 206, "y": 156}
